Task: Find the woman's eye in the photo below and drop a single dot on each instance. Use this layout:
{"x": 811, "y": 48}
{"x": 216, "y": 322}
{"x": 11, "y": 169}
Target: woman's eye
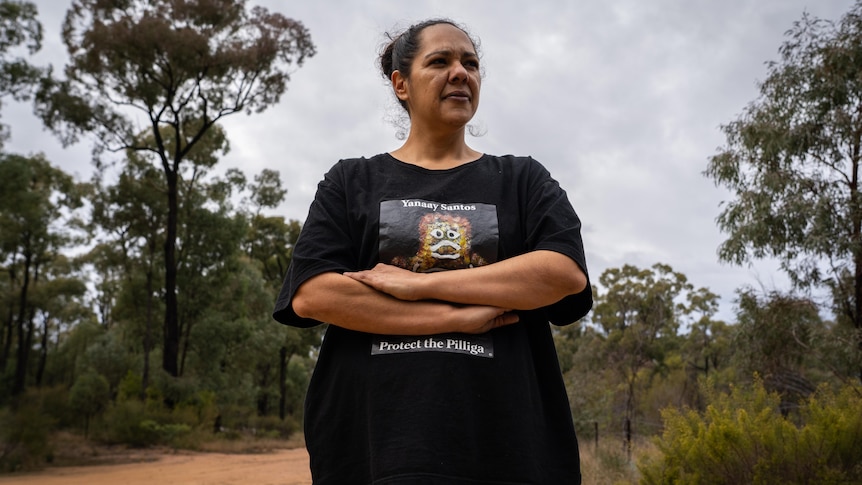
{"x": 437, "y": 234}
{"x": 452, "y": 234}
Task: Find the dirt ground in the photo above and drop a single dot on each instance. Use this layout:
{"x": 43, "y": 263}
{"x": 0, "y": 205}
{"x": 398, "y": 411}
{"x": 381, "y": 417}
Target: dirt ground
{"x": 282, "y": 467}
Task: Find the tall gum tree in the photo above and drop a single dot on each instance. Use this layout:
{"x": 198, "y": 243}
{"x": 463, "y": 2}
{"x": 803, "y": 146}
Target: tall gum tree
{"x": 19, "y": 28}
{"x": 792, "y": 162}
{"x": 176, "y": 65}
{"x": 38, "y": 220}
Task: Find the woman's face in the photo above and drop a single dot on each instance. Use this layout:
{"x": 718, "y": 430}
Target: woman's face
{"x": 444, "y": 81}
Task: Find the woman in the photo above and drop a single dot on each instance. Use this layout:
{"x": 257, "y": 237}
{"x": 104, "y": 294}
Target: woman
{"x": 438, "y": 269}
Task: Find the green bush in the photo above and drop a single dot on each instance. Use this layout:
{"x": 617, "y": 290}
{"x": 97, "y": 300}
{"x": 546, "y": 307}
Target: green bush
{"x": 273, "y": 427}
{"x": 124, "y": 424}
{"x": 24, "y": 435}
{"x": 742, "y": 437}
{"x": 149, "y": 423}
{"x": 89, "y": 396}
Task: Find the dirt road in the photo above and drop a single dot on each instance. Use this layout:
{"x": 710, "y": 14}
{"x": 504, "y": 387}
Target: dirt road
{"x": 284, "y": 467}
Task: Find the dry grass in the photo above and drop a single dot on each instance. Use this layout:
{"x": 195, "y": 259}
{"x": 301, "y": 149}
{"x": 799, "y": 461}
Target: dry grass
{"x": 71, "y": 449}
{"x": 609, "y": 465}
{"x": 251, "y": 445}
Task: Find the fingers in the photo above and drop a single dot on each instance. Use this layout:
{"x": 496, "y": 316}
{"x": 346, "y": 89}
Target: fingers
{"x": 500, "y": 320}
{"x": 507, "y": 318}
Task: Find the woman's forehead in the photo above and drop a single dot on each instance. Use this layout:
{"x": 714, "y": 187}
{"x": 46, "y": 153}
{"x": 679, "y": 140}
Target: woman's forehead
{"x": 445, "y": 37}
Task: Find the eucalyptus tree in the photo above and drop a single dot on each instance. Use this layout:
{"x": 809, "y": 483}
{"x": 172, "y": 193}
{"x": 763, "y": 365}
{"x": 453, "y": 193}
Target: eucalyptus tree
{"x": 60, "y": 305}
{"x": 37, "y": 221}
{"x": 639, "y": 314}
{"x": 792, "y": 161}
{"x": 782, "y": 338}
{"x": 129, "y": 218}
{"x": 175, "y": 65}
{"x": 19, "y": 29}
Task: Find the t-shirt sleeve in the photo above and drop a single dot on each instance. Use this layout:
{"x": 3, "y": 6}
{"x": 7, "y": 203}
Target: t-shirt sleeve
{"x": 324, "y": 245}
{"x": 553, "y": 225}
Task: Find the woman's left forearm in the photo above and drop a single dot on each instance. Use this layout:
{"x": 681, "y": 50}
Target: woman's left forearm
{"x": 524, "y": 282}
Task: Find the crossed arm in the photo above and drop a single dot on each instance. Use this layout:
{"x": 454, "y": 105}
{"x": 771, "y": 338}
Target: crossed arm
{"x": 390, "y": 300}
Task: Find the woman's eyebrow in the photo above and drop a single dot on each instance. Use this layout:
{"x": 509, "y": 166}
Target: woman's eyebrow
{"x": 447, "y": 53}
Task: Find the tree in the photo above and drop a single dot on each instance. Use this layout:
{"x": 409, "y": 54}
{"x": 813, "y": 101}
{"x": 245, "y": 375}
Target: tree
{"x": 176, "y": 66}
{"x": 774, "y": 338}
{"x": 792, "y": 161}
{"x": 639, "y": 314}
{"x": 89, "y": 396}
{"x": 18, "y": 27}
{"x": 37, "y": 220}
{"x": 130, "y": 215}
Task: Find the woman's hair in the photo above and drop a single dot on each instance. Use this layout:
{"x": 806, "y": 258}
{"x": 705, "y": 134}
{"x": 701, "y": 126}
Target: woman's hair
{"x": 399, "y": 52}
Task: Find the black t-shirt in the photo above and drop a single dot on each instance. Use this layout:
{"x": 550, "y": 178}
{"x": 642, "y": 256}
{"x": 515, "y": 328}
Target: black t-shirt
{"x": 454, "y": 408}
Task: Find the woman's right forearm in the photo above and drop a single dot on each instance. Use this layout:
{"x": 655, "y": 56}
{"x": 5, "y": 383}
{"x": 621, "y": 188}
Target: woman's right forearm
{"x": 339, "y": 300}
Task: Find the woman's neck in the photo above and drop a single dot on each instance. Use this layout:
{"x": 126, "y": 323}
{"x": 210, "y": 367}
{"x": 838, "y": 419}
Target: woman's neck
{"x": 435, "y": 151}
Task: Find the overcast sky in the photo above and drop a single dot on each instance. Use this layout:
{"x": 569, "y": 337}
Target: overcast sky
{"x": 621, "y": 100}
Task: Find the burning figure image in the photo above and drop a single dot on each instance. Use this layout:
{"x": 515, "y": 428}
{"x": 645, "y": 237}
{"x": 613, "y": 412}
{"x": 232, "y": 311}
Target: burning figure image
{"x": 444, "y": 244}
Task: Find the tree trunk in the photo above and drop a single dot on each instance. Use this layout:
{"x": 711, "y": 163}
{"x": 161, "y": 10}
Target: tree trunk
{"x": 25, "y": 343}
{"x": 856, "y": 218}
{"x": 282, "y": 382}
{"x": 10, "y": 321}
{"x": 7, "y": 340}
{"x": 263, "y": 397}
{"x": 857, "y": 316}
{"x": 43, "y": 354}
{"x": 186, "y": 329}
{"x": 148, "y": 338}
{"x": 22, "y": 355}
{"x": 170, "y": 354}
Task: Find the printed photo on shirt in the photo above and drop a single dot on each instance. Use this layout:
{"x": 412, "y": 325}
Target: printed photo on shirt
{"x": 424, "y": 236}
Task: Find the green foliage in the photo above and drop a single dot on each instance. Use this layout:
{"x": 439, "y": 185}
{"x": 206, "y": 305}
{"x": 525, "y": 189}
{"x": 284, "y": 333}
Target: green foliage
{"x": 183, "y": 57}
{"x": 169, "y": 240}
{"x": 147, "y": 423}
{"x": 18, "y": 28}
{"x": 792, "y": 161}
{"x": 124, "y": 423}
{"x": 89, "y": 395}
{"x": 742, "y": 437}
{"x": 24, "y": 434}
{"x": 179, "y": 67}
{"x": 38, "y": 219}
{"x": 24, "y": 439}
{"x": 636, "y": 320}
{"x": 107, "y": 355}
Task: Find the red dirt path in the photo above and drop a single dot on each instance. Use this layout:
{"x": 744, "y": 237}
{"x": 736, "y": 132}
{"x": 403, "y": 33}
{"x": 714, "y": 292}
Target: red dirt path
{"x": 283, "y": 467}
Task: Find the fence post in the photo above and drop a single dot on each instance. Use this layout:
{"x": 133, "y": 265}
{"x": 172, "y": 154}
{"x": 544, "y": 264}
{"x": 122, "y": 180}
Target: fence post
{"x": 596, "y": 428}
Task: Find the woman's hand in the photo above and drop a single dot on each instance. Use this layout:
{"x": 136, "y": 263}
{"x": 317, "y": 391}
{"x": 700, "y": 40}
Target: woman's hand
{"x": 392, "y": 280}
{"x": 478, "y": 319}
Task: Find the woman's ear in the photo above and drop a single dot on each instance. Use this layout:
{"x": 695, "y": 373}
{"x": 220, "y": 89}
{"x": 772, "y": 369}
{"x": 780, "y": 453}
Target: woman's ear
{"x": 399, "y": 85}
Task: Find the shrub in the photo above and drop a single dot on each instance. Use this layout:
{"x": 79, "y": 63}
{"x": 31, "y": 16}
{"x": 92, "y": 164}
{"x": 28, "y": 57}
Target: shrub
{"x": 89, "y": 396}
{"x": 742, "y": 437}
{"x": 24, "y": 435}
{"x": 273, "y": 427}
{"x": 124, "y": 424}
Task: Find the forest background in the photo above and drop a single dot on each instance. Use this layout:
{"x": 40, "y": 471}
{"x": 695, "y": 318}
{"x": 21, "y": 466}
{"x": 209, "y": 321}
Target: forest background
{"x": 136, "y": 304}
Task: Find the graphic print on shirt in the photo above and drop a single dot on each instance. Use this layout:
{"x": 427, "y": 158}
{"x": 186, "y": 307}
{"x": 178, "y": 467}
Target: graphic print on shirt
{"x": 425, "y": 236}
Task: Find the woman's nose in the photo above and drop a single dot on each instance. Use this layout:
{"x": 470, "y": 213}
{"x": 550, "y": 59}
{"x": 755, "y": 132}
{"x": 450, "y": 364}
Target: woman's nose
{"x": 458, "y": 73}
